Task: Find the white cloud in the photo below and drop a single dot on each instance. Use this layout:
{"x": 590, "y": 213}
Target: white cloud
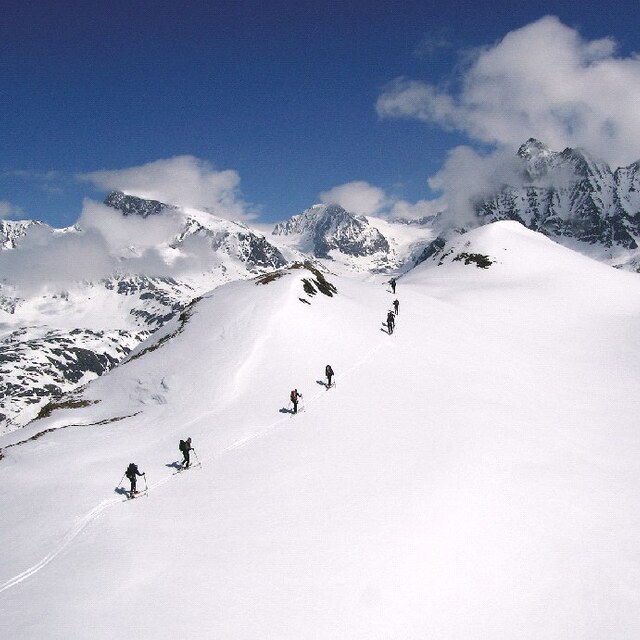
{"x": 105, "y": 244}
{"x": 468, "y": 176}
{"x": 181, "y": 180}
{"x": 42, "y": 260}
{"x": 8, "y": 210}
{"x": 413, "y": 210}
{"x": 363, "y": 198}
{"x": 121, "y": 232}
{"x": 544, "y": 81}
{"x": 433, "y": 42}
{"x": 358, "y": 197}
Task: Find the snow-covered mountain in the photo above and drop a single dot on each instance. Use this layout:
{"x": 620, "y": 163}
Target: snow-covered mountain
{"x": 568, "y": 196}
{"x": 248, "y": 249}
{"x": 571, "y": 197}
{"x": 54, "y": 341}
{"x": 325, "y": 228}
{"x": 473, "y": 475}
{"x": 363, "y": 243}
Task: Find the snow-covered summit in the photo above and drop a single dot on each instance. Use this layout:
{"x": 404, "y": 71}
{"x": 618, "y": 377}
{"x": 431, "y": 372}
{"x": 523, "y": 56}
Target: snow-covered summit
{"x": 356, "y": 243}
{"x": 325, "y": 228}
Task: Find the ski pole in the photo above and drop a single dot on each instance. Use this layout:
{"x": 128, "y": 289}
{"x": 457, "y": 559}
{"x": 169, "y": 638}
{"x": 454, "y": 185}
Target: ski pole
{"x": 121, "y": 479}
{"x": 144, "y": 475}
{"x": 196, "y": 455}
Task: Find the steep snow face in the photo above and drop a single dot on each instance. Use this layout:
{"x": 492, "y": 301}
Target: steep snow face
{"x": 466, "y": 477}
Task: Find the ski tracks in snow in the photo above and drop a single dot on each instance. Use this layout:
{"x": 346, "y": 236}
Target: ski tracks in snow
{"x": 89, "y": 517}
{"x": 62, "y": 545}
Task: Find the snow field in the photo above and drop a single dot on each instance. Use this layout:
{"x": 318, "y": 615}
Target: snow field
{"x": 474, "y": 475}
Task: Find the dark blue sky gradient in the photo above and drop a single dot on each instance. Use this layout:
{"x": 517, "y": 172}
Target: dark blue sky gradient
{"x": 282, "y": 92}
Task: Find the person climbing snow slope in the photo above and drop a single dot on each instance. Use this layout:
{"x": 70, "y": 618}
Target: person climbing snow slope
{"x": 185, "y": 447}
{"x": 294, "y": 396}
{"x": 328, "y": 371}
{"x": 132, "y": 474}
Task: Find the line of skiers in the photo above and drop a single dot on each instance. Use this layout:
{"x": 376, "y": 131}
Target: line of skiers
{"x": 391, "y": 315}
{"x": 133, "y": 473}
{"x": 295, "y": 395}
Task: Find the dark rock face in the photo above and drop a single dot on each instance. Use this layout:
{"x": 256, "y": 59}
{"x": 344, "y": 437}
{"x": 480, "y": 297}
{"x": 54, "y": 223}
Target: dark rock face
{"x": 36, "y": 366}
{"x": 568, "y": 194}
{"x": 236, "y": 240}
{"x": 134, "y": 206}
{"x": 157, "y": 299}
{"x": 432, "y": 249}
{"x": 330, "y": 227}
{"x": 12, "y": 230}
{"x": 259, "y": 252}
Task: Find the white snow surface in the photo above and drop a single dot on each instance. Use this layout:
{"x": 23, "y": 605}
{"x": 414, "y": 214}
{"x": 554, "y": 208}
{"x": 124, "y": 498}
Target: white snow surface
{"x": 472, "y": 476}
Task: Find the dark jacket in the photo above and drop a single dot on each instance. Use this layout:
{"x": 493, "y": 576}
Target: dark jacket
{"x": 132, "y": 471}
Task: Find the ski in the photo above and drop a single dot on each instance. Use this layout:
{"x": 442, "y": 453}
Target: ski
{"x": 137, "y": 495}
{"x": 193, "y": 466}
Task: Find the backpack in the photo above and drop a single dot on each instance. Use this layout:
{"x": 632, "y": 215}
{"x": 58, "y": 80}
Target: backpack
{"x": 131, "y": 470}
{"x": 182, "y": 446}
{"x": 294, "y": 396}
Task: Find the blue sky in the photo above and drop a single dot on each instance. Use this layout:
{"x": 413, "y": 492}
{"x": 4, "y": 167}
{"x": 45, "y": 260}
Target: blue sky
{"x": 276, "y": 104}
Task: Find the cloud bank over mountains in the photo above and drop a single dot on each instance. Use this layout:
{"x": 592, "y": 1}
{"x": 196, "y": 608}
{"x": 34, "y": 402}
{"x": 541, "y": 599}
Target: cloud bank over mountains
{"x": 8, "y": 210}
{"x": 104, "y": 243}
{"x": 543, "y": 81}
{"x": 184, "y": 180}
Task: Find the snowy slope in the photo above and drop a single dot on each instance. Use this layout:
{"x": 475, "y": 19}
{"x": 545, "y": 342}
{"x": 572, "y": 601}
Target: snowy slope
{"x": 474, "y": 475}
{"x": 103, "y": 318}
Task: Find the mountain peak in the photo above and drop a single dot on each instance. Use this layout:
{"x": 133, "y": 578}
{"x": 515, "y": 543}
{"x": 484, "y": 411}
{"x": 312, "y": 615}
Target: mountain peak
{"x": 329, "y": 227}
{"x": 134, "y": 205}
{"x": 533, "y": 148}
